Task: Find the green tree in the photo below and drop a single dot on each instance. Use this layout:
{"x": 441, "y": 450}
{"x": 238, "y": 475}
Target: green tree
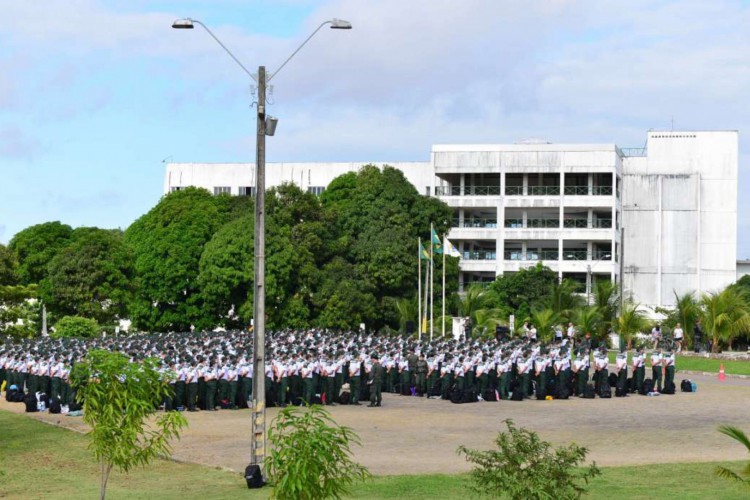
{"x": 167, "y": 244}
{"x": 630, "y": 322}
{"x": 563, "y": 299}
{"x": 744, "y": 476}
{"x": 526, "y": 468}
{"x": 344, "y": 298}
{"x": 91, "y": 277}
{"x": 310, "y": 456}
{"x": 119, "y": 397}
{"x": 407, "y": 311}
{"x": 606, "y": 299}
{"x": 518, "y": 293}
{"x": 35, "y": 246}
{"x": 76, "y": 326}
{"x": 686, "y": 311}
{"x": 8, "y": 267}
{"x": 20, "y": 312}
{"x": 544, "y": 320}
{"x": 587, "y": 319}
{"x": 725, "y": 315}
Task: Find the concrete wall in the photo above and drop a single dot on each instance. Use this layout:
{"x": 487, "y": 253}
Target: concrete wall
{"x": 680, "y": 215}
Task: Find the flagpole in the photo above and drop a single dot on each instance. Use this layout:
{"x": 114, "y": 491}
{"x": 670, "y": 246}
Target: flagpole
{"x": 423, "y": 322}
{"x": 442, "y": 319}
{"x": 419, "y": 286}
{"x": 432, "y": 284}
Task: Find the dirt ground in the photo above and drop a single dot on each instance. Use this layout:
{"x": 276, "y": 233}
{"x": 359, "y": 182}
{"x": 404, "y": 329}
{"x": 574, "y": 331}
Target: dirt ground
{"x": 410, "y": 435}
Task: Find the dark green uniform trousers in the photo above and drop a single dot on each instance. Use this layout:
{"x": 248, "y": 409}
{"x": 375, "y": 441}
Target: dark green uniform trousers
{"x": 192, "y": 395}
{"x": 211, "y": 395}
{"x": 354, "y": 384}
{"x": 656, "y": 372}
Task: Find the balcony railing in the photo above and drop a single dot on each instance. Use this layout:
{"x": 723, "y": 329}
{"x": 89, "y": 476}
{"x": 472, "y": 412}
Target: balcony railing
{"x": 513, "y": 190}
{"x": 543, "y": 223}
{"x": 475, "y": 222}
{"x": 601, "y": 190}
{"x": 576, "y": 223}
{"x": 467, "y": 284}
{"x": 576, "y": 190}
{"x": 531, "y": 255}
{"x": 584, "y": 255}
{"x": 480, "y": 255}
{"x": 481, "y": 190}
{"x": 544, "y": 190}
{"x": 447, "y": 190}
{"x": 514, "y": 223}
{"x": 601, "y": 223}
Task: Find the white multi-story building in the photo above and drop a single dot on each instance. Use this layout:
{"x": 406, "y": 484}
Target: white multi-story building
{"x": 567, "y": 205}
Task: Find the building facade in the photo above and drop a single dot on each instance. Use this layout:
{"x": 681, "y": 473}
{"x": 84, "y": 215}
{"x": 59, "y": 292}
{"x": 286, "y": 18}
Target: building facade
{"x": 660, "y": 219}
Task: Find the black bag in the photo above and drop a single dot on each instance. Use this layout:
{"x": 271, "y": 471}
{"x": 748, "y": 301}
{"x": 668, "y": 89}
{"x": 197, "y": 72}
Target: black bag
{"x": 686, "y": 386}
{"x": 74, "y": 406}
{"x": 489, "y": 395}
{"x": 669, "y": 388}
{"x": 345, "y": 398}
{"x": 563, "y": 393}
{"x": 612, "y": 380}
{"x": 620, "y": 391}
{"x": 315, "y": 400}
{"x": 630, "y": 385}
{"x": 43, "y": 398}
{"x": 30, "y": 402}
{"x": 605, "y": 390}
{"x": 648, "y": 386}
{"x": 55, "y": 406}
{"x": 254, "y": 477}
{"x": 11, "y": 395}
{"x": 589, "y": 392}
{"x": 457, "y": 397}
{"x": 470, "y": 396}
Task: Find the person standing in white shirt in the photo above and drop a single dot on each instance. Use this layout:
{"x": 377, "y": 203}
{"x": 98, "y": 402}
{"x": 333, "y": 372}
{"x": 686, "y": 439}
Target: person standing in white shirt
{"x": 679, "y": 334}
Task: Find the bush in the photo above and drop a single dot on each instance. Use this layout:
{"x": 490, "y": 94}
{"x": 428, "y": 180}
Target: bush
{"x": 76, "y": 326}
{"x": 310, "y": 457}
{"x": 525, "y": 467}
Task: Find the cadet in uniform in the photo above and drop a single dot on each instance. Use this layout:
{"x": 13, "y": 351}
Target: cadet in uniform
{"x": 656, "y": 369}
{"x": 376, "y": 375}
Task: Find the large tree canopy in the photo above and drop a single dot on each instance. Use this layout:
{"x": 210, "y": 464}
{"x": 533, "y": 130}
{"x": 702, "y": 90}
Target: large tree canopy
{"x": 35, "y": 246}
{"x": 167, "y": 245}
{"x": 8, "y": 267}
{"x": 516, "y": 293}
{"x": 90, "y": 277}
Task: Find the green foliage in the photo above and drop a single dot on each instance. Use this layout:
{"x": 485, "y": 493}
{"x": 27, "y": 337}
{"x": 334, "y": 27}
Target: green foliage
{"x": 167, "y": 244}
{"x": 724, "y": 472}
{"x": 630, "y": 322}
{"x": 563, "y": 299}
{"x": 606, "y": 299}
{"x": 8, "y": 267}
{"x": 544, "y": 320}
{"x": 587, "y": 319}
{"x": 725, "y": 315}
{"x": 19, "y": 311}
{"x": 34, "y": 248}
{"x": 345, "y": 298}
{"x": 92, "y": 276}
{"x": 118, "y": 397}
{"x": 310, "y": 456}
{"x": 517, "y": 293}
{"x": 76, "y": 326}
{"x": 526, "y": 468}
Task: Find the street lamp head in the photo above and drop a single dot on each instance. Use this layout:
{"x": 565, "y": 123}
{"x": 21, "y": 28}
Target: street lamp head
{"x": 183, "y": 24}
{"x": 340, "y": 24}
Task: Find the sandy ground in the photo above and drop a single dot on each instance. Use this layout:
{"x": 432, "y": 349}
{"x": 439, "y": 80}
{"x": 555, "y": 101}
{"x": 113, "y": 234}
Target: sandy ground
{"x": 416, "y": 436}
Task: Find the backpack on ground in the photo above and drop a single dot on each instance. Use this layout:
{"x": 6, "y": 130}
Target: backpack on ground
{"x": 55, "y": 406}
{"x": 31, "y": 403}
{"x": 669, "y": 388}
{"x": 563, "y": 393}
{"x": 470, "y": 396}
{"x": 612, "y": 379}
{"x": 589, "y": 392}
{"x": 456, "y": 397}
{"x": 489, "y": 395}
{"x": 605, "y": 390}
{"x": 686, "y": 386}
{"x": 620, "y": 391}
{"x": 648, "y": 386}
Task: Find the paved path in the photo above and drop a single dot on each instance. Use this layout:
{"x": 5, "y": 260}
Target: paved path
{"x": 415, "y": 436}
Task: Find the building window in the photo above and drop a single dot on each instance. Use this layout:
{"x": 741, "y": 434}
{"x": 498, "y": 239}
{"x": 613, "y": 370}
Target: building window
{"x": 222, "y": 190}
{"x": 247, "y": 190}
{"x": 316, "y": 190}
{"x": 175, "y": 188}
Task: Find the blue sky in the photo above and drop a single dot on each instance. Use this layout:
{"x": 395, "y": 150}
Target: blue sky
{"x": 95, "y": 94}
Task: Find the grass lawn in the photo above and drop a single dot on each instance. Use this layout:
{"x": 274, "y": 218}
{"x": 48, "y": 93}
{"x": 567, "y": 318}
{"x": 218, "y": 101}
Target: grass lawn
{"x": 702, "y": 364}
{"x": 42, "y": 461}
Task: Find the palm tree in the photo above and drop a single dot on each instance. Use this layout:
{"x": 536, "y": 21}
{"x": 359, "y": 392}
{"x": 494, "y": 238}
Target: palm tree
{"x": 726, "y": 314}
{"x": 485, "y": 321}
{"x": 686, "y": 312}
{"x": 563, "y": 299}
{"x": 544, "y": 320}
{"x": 630, "y": 322}
{"x": 606, "y": 299}
{"x": 475, "y": 298}
{"x": 587, "y": 319}
{"x": 407, "y": 311}
{"x": 740, "y": 437}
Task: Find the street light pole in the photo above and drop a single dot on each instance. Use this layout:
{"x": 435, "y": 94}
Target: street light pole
{"x": 258, "y": 443}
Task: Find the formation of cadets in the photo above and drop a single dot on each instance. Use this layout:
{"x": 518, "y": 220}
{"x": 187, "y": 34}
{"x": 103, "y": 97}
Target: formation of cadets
{"x": 211, "y": 370}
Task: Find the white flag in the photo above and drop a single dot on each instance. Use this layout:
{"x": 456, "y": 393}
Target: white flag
{"x": 449, "y": 249}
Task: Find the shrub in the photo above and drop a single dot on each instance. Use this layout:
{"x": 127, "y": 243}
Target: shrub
{"x": 76, "y": 326}
{"x": 310, "y": 457}
{"x": 526, "y": 468}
